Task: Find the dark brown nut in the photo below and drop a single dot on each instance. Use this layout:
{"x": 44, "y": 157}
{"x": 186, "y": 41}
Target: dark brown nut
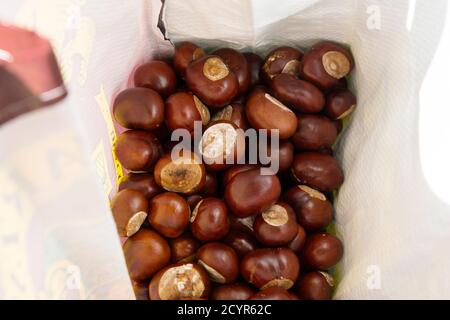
{"x": 274, "y": 294}
{"x": 235, "y": 291}
{"x": 315, "y": 285}
{"x": 145, "y": 253}
{"x": 265, "y": 112}
{"x": 297, "y": 94}
{"x": 185, "y": 174}
{"x": 340, "y": 103}
{"x": 139, "y": 108}
{"x": 276, "y": 226}
{"x": 238, "y": 64}
{"x": 143, "y": 182}
{"x": 284, "y": 155}
{"x": 140, "y": 289}
{"x": 250, "y": 192}
{"x": 242, "y": 224}
{"x": 209, "y": 220}
{"x": 180, "y": 281}
{"x": 193, "y": 200}
{"x": 314, "y": 132}
{"x": 322, "y": 251}
{"x": 211, "y": 188}
{"x": 129, "y": 208}
{"x": 317, "y": 170}
{"x": 241, "y": 242}
{"x": 234, "y": 170}
{"x": 185, "y": 53}
{"x": 156, "y": 75}
{"x": 184, "y": 248}
{"x": 254, "y": 65}
{"x": 220, "y": 262}
{"x": 183, "y": 109}
{"x": 298, "y": 242}
{"x": 169, "y": 214}
{"x": 222, "y": 145}
{"x": 266, "y": 268}
{"x": 235, "y": 113}
{"x": 314, "y": 211}
{"x": 281, "y": 60}
{"x": 212, "y": 81}
{"x": 137, "y": 150}
{"x": 325, "y": 63}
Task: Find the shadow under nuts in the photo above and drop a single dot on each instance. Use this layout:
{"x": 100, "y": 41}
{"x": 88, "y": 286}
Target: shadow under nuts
{"x": 220, "y": 262}
{"x": 317, "y": 170}
{"x": 266, "y": 268}
{"x": 129, "y": 208}
{"x": 314, "y": 132}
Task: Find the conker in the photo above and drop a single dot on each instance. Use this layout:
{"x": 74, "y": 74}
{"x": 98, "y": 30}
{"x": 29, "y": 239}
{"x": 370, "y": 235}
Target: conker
{"x": 266, "y": 268}
{"x": 297, "y": 94}
{"x": 235, "y": 291}
{"x": 281, "y": 60}
{"x": 140, "y": 289}
{"x": 238, "y": 64}
{"x": 315, "y": 285}
{"x": 183, "y": 109}
{"x": 234, "y": 170}
{"x": 317, "y": 170}
{"x": 241, "y": 242}
{"x": 274, "y": 293}
{"x": 212, "y": 81}
{"x": 185, "y": 53}
{"x": 284, "y": 154}
{"x": 235, "y": 113}
{"x": 322, "y": 251}
{"x": 180, "y": 281}
{"x": 265, "y": 112}
{"x": 314, "y": 211}
{"x": 183, "y": 248}
{"x": 139, "y": 108}
{"x": 143, "y": 182}
{"x": 314, "y": 132}
{"x": 169, "y": 214}
{"x": 299, "y": 240}
{"x": 254, "y": 66}
{"x": 193, "y": 200}
{"x": 220, "y": 261}
{"x": 145, "y": 252}
{"x": 156, "y": 75}
{"x": 137, "y": 150}
{"x": 209, "y": 220}
{"x": 340, "y": 103}
{"x": 211, "y": 188}
{"x": 129, "y": 208}
{"x": 242, "y": 224}
{"x": 276, "y": 226}
{"x": 250, "y": 192}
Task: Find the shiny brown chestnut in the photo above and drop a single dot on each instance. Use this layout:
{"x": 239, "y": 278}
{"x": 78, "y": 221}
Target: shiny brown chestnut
{"x": 169, "y": 214}
{"x": 254, "y": 66}
{"x": 281, "y": 60}
{"x": 315, "y": 285}
{"x": 235, "y": 291}
{"x": 209, "y": 220}
{"x": 183, "y": 109}
{"x": 266, "y": 268}
{"x": 241, "y": 242}
{"x": 212, "y": 81}
{"x": 157, "y": 75}
{"x": 235, "y": 113}
{"x": 314, "y": 132}
{"x": 299, "y": 240}
{"x": 222, "y": 145}
{"x": 180, "y": 281}
{"x": 250, "y": 192}
{"x": 234, "y": 170}
{"x": 211, "y": 188}
{"x": 220, "y": 262}
{"x": 265, "y": 112}
{"x": 314, "y": 211}
{"x": 184, "y": 174}
{"x": 297, "y": 94}
{"x": 139, "y": 108}
{"x": 145, "y": 253}
{"x": 184, "y": 248}
{"x": 317, "y": 170}
{"x": 137, "y": 150}
{"x": 276, "y": 226}
{"x": 284, "y": 155}
{"x": 238, "y": 64}
{"x": 129, "y": 208}
{"x": 322, "y": 251}
{"x": 193, "y": 200}
{"x": 325, "y": 63}
{"x": 143, "y": 182}
{"x": 274, "y": 293}
{"x": 140, "y": 289}
{"x": 185, "y": 53}
{"x": 340, "y": 103}
{"x": 242, "y": 224}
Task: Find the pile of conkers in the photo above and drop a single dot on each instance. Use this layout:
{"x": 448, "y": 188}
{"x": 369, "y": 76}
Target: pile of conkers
{"x": 205, "y": 229}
